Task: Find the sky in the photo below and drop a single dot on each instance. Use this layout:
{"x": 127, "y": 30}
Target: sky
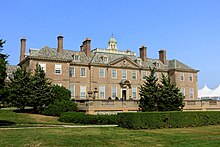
{"x": 189, "y": 30}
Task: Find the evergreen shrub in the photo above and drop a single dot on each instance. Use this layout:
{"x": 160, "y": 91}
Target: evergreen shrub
{"x": 60, "y": 106}
{"x": 154, "y": 120}
{"x": 82, "y": 118}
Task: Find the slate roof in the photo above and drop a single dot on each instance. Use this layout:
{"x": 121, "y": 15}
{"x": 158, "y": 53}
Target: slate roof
{"x": 97, "y": 58}
{"x": 11, "y": 68}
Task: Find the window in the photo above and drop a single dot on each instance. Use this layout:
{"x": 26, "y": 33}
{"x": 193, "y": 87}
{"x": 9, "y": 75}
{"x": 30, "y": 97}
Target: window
{"x": 182, "y": 89}
{"x": 134, "y": 75}
{"x": 82, "y": 91}
{"x": 144, "y": 74}
{"x": 124, "y": 74}
{"x": 43, "y": 66}
{"x": 190, "y": 77}
{"x": 58, "y": 69}
{"x": 191, "y": 93}
{"x": 83, "y": 72}
{"x": 181, "y": 76}
{"x": 114, "y": 73}
{"x": 71, "y": 72}
{"x": 139, "y": 61}
{"x": 134, "y": 92}
{"x": 72, "y": 90}
{"x": 114, "y": 91}
{"x": 102, "y": 91}
{"x": 101, "y": 72}
{"x": 76, "y": 57}
{"x": 105, "y": 59}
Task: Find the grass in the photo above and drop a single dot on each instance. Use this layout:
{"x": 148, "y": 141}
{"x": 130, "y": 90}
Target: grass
{"x": 12, "y": 119}
{"x": 198, "y": 136}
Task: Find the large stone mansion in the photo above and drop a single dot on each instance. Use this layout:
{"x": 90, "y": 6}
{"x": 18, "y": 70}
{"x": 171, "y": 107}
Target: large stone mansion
{"x": 106, "y": 73}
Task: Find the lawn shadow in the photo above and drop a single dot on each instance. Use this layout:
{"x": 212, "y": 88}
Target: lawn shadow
{"x": 6, "y": 123}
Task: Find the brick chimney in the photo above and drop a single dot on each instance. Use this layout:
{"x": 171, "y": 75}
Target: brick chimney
{"x": 143, "y": 53}
{"x": 23, "y": 48}
{"x": 86, "y": 46}
{"x": 163, "y": 56}
{"x": 60, "y": 44}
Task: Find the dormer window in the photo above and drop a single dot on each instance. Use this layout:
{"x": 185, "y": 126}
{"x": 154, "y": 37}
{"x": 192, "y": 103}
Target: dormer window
{"x": 139, "y": 61}
{"x": 104, "y": 59}
{"x": 157, "y": 64}
{"x": 76, "y": 57}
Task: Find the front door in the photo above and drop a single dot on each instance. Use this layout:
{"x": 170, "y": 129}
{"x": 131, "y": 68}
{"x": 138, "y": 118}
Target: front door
{"x": 124, "y": 94}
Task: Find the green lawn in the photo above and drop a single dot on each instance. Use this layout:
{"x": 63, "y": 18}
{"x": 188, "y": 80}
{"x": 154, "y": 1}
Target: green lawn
{"x": 207, "y": 136}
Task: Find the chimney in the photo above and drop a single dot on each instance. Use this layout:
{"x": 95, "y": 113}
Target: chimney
{"x": 60, "y": 44}
{"x": 163, "y": 56}
{"x": 143, "y": 53}
{"x": 86, "y": 47}
{"x": 23, "y": 48}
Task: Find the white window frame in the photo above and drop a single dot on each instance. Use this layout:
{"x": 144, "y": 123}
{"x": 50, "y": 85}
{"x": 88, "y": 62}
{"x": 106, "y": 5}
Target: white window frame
{"x": 105, "y": 59}
{"x": 191, "y": 76}
{"x": 82, "y": 91}
{"x": 182, "y": 89}
{"x": 134, "y": 90}
{"x": 43, "y": 66}
{"x": 73, "y": 71}
{"x": 100, "y": 74}
{"x": 191, "y": 93}
{"x": 144, "y": 75}
{"x": 58, "y": 67}
{"x": 115, "y": 74}
{"x": 114, "y": 91}
{"x": 135, "y": 75}
{"x": 72, "y": 91}
{"x": 76, "y": 57}
{"x": 182, "y": 77}
{"x": 81, "y": 72}
{"x": 102, "y": 91}
{"x": 123, "y": 71}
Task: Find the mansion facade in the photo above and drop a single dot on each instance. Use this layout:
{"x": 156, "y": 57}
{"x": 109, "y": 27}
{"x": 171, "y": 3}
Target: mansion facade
{"x": 106, "y": 73}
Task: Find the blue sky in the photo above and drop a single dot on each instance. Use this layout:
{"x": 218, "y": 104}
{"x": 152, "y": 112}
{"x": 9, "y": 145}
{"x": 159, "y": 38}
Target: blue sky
{"x": 188, "y": 29}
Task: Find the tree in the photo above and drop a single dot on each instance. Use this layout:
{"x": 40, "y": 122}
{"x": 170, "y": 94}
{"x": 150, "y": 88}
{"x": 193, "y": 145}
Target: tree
{"x": 3, "y": 74}
{"x": 171, "y": 99}
{"x": 42, "y": 91}
{"x": 149, "y": 93}
{"x": 20, "y": 89}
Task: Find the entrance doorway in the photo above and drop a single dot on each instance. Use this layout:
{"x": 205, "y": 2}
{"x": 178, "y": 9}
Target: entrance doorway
{"x": 124, "y": 94}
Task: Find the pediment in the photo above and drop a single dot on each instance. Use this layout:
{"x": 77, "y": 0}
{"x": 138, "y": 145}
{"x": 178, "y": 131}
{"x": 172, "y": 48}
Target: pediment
{"x": 124, "y": 62}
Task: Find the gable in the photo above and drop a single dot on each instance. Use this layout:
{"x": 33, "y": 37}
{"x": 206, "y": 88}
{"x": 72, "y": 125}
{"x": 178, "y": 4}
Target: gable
{"x": 124, "y": 62}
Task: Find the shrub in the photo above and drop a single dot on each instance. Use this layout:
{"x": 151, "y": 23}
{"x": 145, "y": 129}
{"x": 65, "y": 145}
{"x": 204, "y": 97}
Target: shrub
{"x": 153, "y": 120}
{"x": 82, "y": 118}
{"x": 60, "y": 106}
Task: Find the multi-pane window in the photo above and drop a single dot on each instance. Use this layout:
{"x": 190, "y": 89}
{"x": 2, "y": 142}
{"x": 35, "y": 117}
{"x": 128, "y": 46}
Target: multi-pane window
{"x": 182, "y": 89}
{"x": 43, "y": 66}
{"x": 82, "y": 72}
{"x": 144, "y": 74}
{"x": 134, "y": 74}
{"x": 76, "y": 57}
{"x": 181, "y": 76}
{"x": 124, "y": 74}
{"x": 191, "y": 93}
{"x": 105, "y": 59}
{"x": 101, "y": 72}
{"x": 114, "y": 91}
{"x": 190, "y": 77}
{"x": 114, "y": 73}
{"x": 58, "y": 69}
{"x": 134, "y": 92}
{"x": 72, "y": 90}
{"x": 82, "y": 91}
{"x": 71, "y": 72}
{"x": 102, "y": 91}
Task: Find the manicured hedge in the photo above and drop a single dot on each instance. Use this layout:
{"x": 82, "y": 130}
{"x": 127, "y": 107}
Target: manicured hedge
{"x": 153, "y": 120}
{"x": 82, "y": 118}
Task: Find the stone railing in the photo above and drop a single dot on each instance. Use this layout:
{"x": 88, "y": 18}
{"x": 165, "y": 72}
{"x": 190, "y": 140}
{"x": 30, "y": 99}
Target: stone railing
{"x": 92, "y": 106}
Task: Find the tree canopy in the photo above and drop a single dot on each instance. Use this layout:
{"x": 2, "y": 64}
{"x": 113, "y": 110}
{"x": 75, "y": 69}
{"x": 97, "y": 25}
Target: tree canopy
{"x": 160, "y": 97}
